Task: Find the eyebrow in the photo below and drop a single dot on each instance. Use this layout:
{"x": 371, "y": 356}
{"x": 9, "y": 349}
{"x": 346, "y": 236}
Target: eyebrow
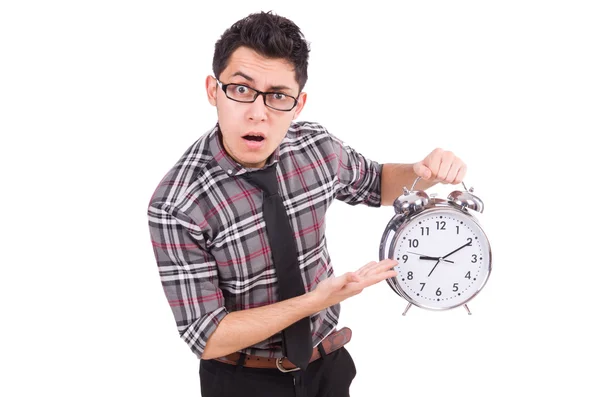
{"x": 250, "y": 79}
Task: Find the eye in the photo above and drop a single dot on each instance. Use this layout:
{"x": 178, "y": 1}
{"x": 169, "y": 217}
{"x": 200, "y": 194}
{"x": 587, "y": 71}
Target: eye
{"x": 278, "y": 96}
{"x": 240, "y": 89}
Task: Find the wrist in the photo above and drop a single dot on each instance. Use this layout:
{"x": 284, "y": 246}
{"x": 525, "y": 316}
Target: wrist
{"x": 314, "y": 302}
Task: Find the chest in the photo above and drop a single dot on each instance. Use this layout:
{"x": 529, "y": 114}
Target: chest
{"x": 236, "y": 230}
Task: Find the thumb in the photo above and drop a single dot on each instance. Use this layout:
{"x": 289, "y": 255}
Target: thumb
{"x": 421, "y": 170}
{"x": 351, "y": 277}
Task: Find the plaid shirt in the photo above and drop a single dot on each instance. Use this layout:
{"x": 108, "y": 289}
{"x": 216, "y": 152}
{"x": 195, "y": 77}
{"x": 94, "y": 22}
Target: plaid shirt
{"x": 209, "y": 236}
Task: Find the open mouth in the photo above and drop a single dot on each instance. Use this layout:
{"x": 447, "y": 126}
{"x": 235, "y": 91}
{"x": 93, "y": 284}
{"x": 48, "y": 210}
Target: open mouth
{"x": 254, "y": 138}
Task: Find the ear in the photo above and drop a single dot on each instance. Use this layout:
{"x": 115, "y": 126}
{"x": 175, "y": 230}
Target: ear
{"x": 211, "y": 90}
{"x": 300, "y": 105}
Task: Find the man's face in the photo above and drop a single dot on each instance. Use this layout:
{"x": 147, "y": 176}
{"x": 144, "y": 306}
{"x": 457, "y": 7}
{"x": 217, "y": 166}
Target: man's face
{"x": 239, "y": 120}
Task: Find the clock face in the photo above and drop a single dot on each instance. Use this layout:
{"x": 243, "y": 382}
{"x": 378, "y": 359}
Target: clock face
{"x": 443, "y": 259}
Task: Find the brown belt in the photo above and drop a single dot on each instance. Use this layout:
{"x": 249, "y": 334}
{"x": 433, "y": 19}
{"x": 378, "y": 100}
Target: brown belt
{"x": 331, "y": 343}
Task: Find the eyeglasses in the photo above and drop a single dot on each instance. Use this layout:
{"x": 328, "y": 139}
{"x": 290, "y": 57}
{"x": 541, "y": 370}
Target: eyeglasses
{"x": 245, "y": 94}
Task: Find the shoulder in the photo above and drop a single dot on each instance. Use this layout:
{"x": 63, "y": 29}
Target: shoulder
{"x": 306, "y": 128}
{"x": 174, "y": 187}
{"x": 302, "y": 134}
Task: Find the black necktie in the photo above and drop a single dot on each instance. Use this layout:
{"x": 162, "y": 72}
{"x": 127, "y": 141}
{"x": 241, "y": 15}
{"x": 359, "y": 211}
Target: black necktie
{"x": 297, "y": 340}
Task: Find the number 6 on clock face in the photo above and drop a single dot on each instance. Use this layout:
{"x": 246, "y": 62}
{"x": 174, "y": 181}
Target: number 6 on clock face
{"x": 444, "y": 258}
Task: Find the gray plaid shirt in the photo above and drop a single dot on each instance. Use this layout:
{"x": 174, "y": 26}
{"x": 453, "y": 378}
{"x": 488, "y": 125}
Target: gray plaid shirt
{"x": 209, "y": 236}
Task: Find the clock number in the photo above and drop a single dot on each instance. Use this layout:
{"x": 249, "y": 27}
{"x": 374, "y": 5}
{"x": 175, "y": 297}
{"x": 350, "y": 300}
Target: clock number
{"x": 410, "y": 275}
{"x": 468, "y": 275}
{"x": 474, "y": 258}
{"x": 413, "y": 242}
{"x": 405, "y": 258}
{"x": 424, "y": 229}
{"x": 470, "y": 240}
{"x": 422, "y": 286}
{"x": 455, "y": 287}
{"x": 457, "y": 230}
{"x": 441, "y": 223}
{"x": 438, "y": 292}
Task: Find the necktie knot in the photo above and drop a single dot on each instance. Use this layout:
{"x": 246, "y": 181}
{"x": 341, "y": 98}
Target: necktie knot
{"x": 265, "y": 180}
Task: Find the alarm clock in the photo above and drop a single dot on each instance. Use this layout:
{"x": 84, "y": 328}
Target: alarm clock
{"x": 444, "y": 256}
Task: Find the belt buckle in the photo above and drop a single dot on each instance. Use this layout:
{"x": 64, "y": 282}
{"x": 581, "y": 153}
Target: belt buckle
{"x": 281, "y": 368}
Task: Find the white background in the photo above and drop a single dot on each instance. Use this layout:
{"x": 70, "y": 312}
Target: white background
{"x": 99, "y": 99}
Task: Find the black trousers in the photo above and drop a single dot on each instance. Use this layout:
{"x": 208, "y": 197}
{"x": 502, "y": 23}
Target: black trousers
{"x": 330, "y": 376}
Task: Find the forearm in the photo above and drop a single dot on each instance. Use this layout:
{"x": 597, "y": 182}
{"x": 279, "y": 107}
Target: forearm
{"x": 240, "y": 329}
{"x": 396, "y": 176}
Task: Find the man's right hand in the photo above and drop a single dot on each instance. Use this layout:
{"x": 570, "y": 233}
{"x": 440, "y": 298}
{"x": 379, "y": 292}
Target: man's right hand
{"x": 336, "y": 289}
{"x": 242, "y": 328}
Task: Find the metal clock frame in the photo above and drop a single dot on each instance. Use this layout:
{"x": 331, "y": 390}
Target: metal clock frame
{"x": 404, "y": 218}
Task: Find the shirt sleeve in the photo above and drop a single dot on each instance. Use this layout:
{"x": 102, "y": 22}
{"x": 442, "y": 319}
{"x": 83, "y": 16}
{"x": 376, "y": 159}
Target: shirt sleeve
{"x": 359, "y": 178}
{"x": 188, "y": 275}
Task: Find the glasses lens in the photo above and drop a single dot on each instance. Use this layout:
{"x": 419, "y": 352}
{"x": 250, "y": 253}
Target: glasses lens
{"x": 240, "y": 93}
{"x": 280, "y": 101}
{"x": 275, "y": 100}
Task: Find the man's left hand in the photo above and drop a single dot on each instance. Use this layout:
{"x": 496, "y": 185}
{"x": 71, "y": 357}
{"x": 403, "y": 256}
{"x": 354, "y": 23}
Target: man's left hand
{"x": 441, "y": 166}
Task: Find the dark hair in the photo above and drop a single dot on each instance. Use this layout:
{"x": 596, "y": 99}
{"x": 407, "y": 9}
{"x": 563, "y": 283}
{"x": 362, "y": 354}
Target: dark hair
{"x": 271, "y": 36}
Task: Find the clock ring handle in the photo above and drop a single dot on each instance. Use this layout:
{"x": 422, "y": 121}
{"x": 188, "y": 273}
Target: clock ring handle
{"x": 461, "y": 199}
{"x": 417, "y": 180}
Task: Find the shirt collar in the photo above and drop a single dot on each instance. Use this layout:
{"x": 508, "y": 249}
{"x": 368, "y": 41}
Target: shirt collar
{"x": 226, "y": 162}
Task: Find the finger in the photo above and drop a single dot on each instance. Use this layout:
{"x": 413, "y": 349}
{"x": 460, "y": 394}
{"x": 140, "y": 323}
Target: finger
{"x": 344, "y": 279}
{"x": 461, "y": 174}
{"x": 452, "y": 173}
{"x": 382, "y": 266}
{"x": 376, "y": 278}
{"x": 388, "y": 263}
{"x": 354, "y": 278}
{"x": 384, "y": 275}
{"x": 422, "y": 170}
{"x": 445, "y": 165}
{"x": 434, "y": 161}
{"x": 366, "y": 268}
{"x": 376, "y": 267}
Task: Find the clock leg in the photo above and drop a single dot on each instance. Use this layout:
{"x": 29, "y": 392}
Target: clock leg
{"x": 467, "y": 307}
{"x": 407, "y": 307}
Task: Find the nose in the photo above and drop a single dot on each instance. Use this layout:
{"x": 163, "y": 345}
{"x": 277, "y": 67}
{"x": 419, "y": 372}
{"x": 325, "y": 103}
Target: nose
{"x": 257, "y": 110}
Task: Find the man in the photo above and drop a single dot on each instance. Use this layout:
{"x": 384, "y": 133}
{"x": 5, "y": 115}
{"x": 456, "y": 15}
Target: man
{"x": 230, "y": 251}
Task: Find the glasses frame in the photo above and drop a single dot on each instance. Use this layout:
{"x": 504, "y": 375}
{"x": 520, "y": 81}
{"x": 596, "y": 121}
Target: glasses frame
{"x": 261, "y": 93}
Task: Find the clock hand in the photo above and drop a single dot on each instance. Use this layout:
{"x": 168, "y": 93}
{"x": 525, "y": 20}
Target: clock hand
{"x": 436, "y": 263}
{"x": 459, "y": 248}
{"x": 426, "y": 257}
{"x": 416, "y": 253}
{"x": 431, "y": 258}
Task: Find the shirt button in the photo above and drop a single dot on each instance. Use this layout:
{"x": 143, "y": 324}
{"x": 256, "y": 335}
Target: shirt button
{"x": 229, "y": 172}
